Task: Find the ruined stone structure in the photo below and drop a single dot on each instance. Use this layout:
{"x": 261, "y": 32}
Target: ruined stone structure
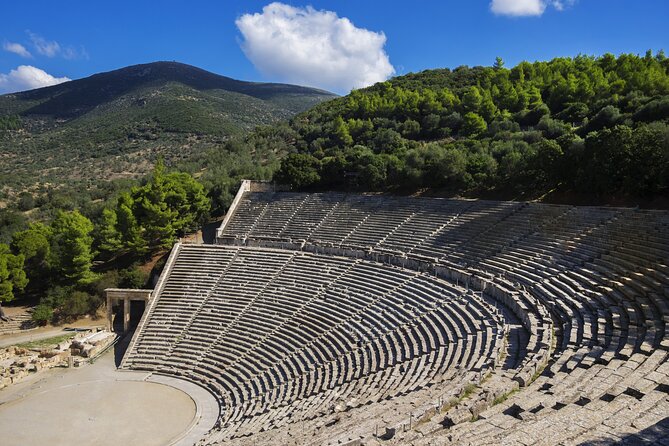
{"x": 126, "y": 296}
{"x": 17, "y": 323}
{"x": 352, "y": 319}
{"x": 17, "y": 363}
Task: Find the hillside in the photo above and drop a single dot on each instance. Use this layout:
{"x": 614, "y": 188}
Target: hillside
{"x": 585, "y": 129}
{"x": 115, "y": 124}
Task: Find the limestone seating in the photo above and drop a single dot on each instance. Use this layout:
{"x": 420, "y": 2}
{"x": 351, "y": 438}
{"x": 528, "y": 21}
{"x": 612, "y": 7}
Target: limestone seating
{"x": 602, "y": 273}
{"x": 294, "y": 326}
{"x": 285, "y": 336}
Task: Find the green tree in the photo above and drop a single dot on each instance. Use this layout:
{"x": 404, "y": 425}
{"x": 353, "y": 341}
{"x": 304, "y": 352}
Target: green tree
{"x": 488, "y": 108}
{"x": 35, "y": 247}
{"x": 473, "y": 125}
{"x": 127, "y": 226}
{"x": 608, "y": 116}
{"x": 108, "y": 233}
{"x": 299, "y": 170}
{"x": 151, "y": 209}
{"x": 445, "y": 167}
{"x": 608, "y": 156}
{"x": 187, "y": 198}
{"x": 33, "y": 243}
{"x": 483, "y": 168}
{"x": 471, "y": 100}
{"x": 119, "y": 232}
{"x": 411, "y": 129}
{"x": 649, "y": 173}
{"x": 12, "y": 276}
{"x": 70, "y": 256}
{"x": 151, "y": 216}
{"x": 546, "y": 163}
{"x": 340, "y": 132}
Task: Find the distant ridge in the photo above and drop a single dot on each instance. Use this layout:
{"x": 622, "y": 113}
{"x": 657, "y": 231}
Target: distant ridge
{"x": 116, "y": 124}
{"x": 75, "y": 97}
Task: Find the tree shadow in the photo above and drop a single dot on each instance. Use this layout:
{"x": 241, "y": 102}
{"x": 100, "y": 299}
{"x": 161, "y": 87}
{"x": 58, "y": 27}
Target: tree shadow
{"x": 653, "y": 435}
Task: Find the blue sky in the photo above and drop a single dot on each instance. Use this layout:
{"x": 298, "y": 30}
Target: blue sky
{"x": 75, "y": 39}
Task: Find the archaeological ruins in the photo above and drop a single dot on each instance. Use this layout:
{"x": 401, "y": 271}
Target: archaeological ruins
{"x": 332, "y": 318}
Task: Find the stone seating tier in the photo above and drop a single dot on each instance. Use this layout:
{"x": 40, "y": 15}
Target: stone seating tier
{"x": 321, "y": 302}
{"x": 266, "y": 330}
{"x": 601, "y": 273}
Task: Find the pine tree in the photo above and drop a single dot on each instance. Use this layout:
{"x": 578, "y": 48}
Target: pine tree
{"x": 34, "y": 245}
{"x": 340, "y": 132}
{"x": 152, "y": 212}
{"x": 70, "y": 255}
{"x": 471, "y": 100}
{"x": 128, "y": 227}
{"x": 474, "y": 124}
{"x": 12, "y": 276}
{"x": 110, "y": 238}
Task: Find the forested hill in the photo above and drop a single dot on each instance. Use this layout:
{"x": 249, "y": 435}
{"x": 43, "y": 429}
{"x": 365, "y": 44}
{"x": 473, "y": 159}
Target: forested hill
{"x": 116, "y": 124}
{"x": 589, "y": 126}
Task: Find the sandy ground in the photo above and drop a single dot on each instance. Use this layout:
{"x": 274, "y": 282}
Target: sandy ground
{"x": 95, "y": 404}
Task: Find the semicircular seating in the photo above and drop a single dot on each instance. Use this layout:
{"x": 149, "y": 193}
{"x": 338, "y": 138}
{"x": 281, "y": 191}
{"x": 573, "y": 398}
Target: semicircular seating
{"x": 277, "y": 333}
{"x": 601, "y": 273}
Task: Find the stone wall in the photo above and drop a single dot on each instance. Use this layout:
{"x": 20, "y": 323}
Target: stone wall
{"x": 18, "y": 363}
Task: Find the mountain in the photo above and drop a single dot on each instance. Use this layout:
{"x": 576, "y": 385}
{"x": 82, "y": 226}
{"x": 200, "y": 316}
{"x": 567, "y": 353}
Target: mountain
{"x": 116, "y": 124}
{"x": 75, "y": 98}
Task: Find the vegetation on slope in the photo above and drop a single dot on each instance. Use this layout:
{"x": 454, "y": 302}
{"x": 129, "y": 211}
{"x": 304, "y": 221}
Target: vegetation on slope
{"x": 78, "y": 135}
{"x": 595, "y": 126}
{"x": 82, "y": 144}
{"x": 55, "y": 261}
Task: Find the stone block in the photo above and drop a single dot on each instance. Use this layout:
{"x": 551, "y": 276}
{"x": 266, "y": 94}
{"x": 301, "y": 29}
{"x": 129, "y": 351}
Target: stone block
{"x": 457, "y": 416}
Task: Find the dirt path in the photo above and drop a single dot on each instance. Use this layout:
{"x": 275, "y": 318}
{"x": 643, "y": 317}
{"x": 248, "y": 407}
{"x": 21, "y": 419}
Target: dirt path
{"x": 45, "y": 332}
{"x": 30, "y": 335}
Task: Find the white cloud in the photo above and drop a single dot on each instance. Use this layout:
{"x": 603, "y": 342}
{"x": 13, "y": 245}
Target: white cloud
{"x": 27, "y": 77}
{"x": 315, "y": 48}
{"x": 44, "y": 47}
{"x": 51, "y": 48}
{"x": 561, "y": 5}
{"x": 522, "y": 8}
{"x": 16, "y": 48}
{"x": 71, "y": 53}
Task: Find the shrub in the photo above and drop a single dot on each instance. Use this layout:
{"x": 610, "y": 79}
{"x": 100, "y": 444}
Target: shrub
{"x": 56, "y": 296}
{"x": 110, "y": 279}
{"x": 75, "y": 304}
{"x": 133, "y": 277}
{"x": 42, "y": 314}
{"x": 26, "y": 201}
